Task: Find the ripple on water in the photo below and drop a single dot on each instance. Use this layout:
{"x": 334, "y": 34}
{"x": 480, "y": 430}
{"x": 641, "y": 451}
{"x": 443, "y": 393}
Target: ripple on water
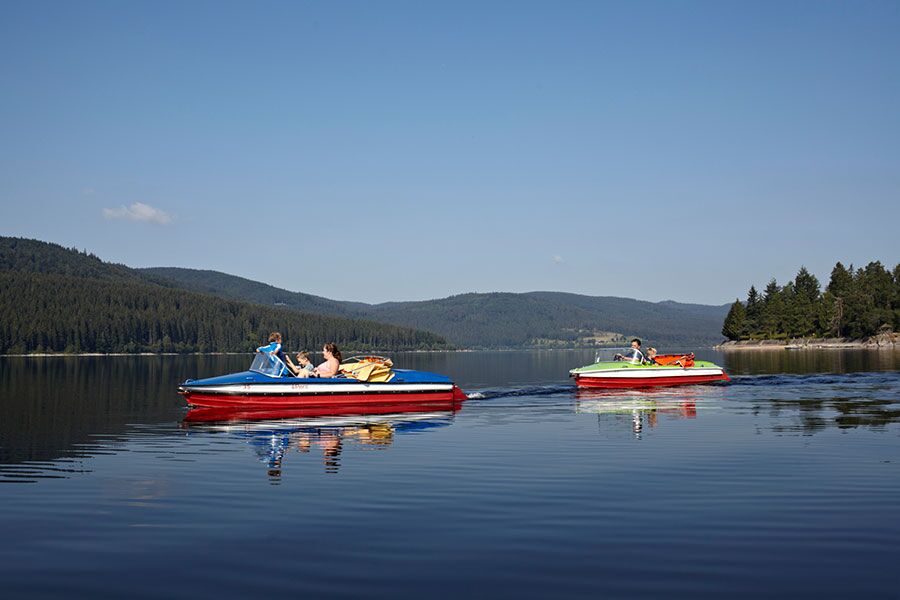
{"x": 780, "y": 483}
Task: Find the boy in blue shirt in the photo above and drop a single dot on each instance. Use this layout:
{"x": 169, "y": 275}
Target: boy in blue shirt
{"x": 274, "y": 347}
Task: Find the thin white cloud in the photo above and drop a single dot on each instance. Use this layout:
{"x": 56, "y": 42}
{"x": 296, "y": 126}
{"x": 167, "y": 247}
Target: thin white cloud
{"x": 138, "y": 212}
{"x": 558, "y": 259}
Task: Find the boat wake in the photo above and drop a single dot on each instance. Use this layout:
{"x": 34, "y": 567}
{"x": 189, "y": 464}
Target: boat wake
{"x": 814, "y": 379}
{"x": 512, "y": 392}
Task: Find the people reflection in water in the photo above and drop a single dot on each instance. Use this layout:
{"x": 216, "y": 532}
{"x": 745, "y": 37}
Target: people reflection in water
{"x": 652, "y": 416}
{"x": 639, "y": 410}
{"x": 331, "y": 452}
{"x": 270, "y": 449}
{"x": 272, "y": 446}
{"x": 273, "y": 439}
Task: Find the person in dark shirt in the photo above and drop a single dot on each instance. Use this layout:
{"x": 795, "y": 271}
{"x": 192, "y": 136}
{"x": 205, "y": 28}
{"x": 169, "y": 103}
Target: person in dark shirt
{"x": 634, "y": 356}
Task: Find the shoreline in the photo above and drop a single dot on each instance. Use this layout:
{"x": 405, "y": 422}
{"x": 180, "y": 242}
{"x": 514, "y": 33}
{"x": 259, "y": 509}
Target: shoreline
{"x": 351, "y": 352}
{"x": 880, "y": 342}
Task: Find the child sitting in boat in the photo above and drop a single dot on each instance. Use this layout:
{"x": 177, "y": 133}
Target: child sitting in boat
{"x": 303, "y": 368}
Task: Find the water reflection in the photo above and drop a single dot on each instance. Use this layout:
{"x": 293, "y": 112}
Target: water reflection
{"x": 811, "y": 403}
{"x": 56, "y": 413}
{"x": 846, "y": 360}
{"x": 59, "y": 407}
{"x": 273, "y": 434}
{"x": 639, "y": 407}
{"x": 518, "y": 472}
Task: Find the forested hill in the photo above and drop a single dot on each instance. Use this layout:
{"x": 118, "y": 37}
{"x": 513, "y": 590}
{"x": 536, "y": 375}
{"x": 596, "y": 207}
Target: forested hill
{"x": 555, "y": 318}
{"x": 542, "y": 319}
{"x": 33, "y": 256}
{"x": 53, "y": 299}
{"x": 239, "y": 288}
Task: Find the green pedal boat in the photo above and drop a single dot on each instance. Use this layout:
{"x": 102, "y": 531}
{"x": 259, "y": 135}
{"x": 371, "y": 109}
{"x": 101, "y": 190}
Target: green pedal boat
{"x": 623, "y": 371}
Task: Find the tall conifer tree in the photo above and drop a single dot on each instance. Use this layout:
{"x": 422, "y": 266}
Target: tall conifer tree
{"x": 753, "y": 310}
{"x": 772, "y": 310}
{"x": 735, "y": 321}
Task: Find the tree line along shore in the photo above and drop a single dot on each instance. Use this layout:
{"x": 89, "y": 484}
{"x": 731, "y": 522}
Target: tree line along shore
{"x": 41, "y": 313}
{"x": 56, "y": 300}
{"x": 883, "y": 341}
{"x": 858, "y": 308}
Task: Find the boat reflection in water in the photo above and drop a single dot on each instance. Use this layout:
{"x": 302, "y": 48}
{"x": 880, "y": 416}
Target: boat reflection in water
{"x": 273, "y": 433}
{"x": 637, "y": 407}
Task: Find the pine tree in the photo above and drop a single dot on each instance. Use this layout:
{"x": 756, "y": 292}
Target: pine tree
{"x": 805, "y": 303}
{"x": 772, "y": 310}
{"x": 841, "y": 282}
{"x": 895, "y": 302}
{"x": 754, "y": 312}
{"x": 858, "y": 304}
{"x": 791, "y": 322}
{"x": 826, "y": 314}
{"x": 735, "y": 322}
{"x": 840, "y": 288}
{"x": 807, "y": 285}
{"x": 878, "y": 284}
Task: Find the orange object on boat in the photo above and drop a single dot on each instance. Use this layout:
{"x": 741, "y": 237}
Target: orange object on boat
{"x": 683, "y": 360}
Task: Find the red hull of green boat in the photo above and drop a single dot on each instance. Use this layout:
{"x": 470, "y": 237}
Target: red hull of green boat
{"x": 635, "y": 382}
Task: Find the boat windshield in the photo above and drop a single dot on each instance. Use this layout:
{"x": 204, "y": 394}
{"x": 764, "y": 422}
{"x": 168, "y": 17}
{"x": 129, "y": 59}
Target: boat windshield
{"x": 268, "y": 364}
{"x": 628, "y": 355}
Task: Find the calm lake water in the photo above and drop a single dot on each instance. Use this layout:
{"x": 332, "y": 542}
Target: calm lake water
{"x": 786, "y": 482}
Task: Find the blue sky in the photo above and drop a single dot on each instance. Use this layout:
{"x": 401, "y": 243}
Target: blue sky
{"x": 379, "y": 151}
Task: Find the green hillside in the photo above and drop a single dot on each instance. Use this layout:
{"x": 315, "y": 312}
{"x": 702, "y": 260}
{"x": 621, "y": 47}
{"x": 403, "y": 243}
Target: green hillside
{"x": 32, "y": 256}
{"x": 536, "y": 318}
{"x": 196, "y": 310}
{"x": 239, "y": 288}
{"x": 493, "y": 320}
{"x": 53, "y": 299}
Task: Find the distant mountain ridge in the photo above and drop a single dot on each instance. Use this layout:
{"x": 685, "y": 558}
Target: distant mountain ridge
{"x": 240, "y": 288}
{"x": 178, "y": 309}
{"x": 54, "y": 299}
{"x": 490, "y": 320}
